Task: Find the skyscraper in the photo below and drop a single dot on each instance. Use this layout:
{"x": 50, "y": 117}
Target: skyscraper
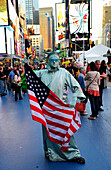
{"x": 47, "y": 27}
{"x": 32, "y": 14}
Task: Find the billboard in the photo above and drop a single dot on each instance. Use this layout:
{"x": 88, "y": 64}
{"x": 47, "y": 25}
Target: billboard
{"x": 2, "y": 40}
{"x": 15, "y": 25}
{"x": 78, "y": 18}
{"x": 3, "y": 13}
{"x": 64, "y": 44}
{"x": 60, "y": 16}
{"x": 33, "y": 29}
{"x": 10, "y": 41}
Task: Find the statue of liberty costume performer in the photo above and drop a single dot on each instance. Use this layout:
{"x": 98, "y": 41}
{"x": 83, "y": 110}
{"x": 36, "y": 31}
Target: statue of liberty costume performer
{"x": 58, "y": 79}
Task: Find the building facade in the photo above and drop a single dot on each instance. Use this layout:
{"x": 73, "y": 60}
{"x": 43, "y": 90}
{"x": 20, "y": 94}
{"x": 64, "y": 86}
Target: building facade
{"x": 47, "y": 27}
{"x": 32, "y": 14}
{"x": 106, "y": 25}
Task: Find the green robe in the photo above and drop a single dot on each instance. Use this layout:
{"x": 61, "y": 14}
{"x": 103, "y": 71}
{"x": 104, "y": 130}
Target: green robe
{"x": 58, "y": 82}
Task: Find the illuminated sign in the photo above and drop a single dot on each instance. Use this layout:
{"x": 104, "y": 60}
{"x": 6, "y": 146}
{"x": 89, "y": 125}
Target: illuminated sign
{"x": 64, "y": 44}
{"x": 3, "y": 13}
{"x": 33, "y": 29}
{"x": 60, "y": 37}
{"x": 60, "y": 16}
{"x": 2, "y": 39}
{"x": 10, "y": 41}
{"x": 78, "y": 18}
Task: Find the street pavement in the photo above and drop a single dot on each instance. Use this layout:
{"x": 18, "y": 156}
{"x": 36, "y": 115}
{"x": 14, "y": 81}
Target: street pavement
{"x": 21, "y": 145}
{"x": 109, "y": 84}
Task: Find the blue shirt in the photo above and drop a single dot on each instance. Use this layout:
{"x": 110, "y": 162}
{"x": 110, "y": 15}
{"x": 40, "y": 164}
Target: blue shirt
{"x": 11, "y": 74}
{"x": 81, "y": 81}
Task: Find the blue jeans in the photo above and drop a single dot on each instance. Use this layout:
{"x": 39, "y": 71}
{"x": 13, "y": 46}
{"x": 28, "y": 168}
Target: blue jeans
{"x": 94, "y": 101}
{"x": 1, "y": 87}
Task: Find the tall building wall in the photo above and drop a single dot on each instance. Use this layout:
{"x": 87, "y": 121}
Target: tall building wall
{"x": 29, "y": 11}
{"x": 46, "y": 27}
{"x": 106, "y": 15}
{"x": 22, "y": 16}
{"x": 32, "y": 14}
{"x": 44, "y": 30}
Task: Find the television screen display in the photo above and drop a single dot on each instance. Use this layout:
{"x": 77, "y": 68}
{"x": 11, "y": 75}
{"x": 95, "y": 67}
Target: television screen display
{"x": 3, "y": 13}
{"x": 10, "y": 41}
{"x": 2, "y": 39}
{"x": 78, "y": 18}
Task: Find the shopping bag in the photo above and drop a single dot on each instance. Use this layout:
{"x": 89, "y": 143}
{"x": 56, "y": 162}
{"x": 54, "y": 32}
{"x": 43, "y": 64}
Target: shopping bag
{"x": 80, "y": 106}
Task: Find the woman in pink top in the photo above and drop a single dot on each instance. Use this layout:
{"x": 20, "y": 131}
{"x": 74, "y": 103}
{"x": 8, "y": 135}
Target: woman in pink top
{"x": 92, "y": 85}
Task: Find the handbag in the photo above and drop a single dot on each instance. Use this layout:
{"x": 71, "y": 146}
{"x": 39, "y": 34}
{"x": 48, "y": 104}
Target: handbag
{"x": 80, "y": 106}
{"x": 91, "y": 81}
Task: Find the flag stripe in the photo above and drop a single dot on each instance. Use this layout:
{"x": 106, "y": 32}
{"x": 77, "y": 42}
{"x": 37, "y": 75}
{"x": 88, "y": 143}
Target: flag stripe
{"x": 57, "y": 137}
{"x": 58, "y": 109}
{"x": 54, "y": 115}
{"x": 58, "y": 105}
{"x": 57, "y": 129}
{"x": 38, "y": 119}
{"x": 57, "y": 100}
{"x": 60, "y": 122}
{"x": 36, "y": 109}
{"x": 37, "y": 114}
{"x": 57, "y": 124}
{"x": 57, "y": 133}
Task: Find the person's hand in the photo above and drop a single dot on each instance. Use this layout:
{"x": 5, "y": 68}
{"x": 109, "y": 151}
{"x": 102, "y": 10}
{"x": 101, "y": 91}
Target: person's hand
{"x": 103, "y": 75}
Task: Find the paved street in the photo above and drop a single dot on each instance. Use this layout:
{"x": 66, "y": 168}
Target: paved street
{"x": 21, "y": 146}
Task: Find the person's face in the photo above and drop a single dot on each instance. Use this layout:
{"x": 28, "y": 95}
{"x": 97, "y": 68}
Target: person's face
{"x": 54, "y": 61}
{"x": 15, "y": 68}
{"x": 17, "y": 72}
{"x": 84, "y": 72}
{"x": 1, "y": 69}
{"x": 98, "y": 65}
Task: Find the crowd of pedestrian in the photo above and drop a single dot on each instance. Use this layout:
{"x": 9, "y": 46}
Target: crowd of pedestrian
{"x": 13, "y": 79}
{"x": 92, "y": 81}
{"x": 90, "y": 78}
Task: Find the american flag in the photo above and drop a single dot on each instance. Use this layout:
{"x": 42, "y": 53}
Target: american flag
{"x": 60, "y": 120}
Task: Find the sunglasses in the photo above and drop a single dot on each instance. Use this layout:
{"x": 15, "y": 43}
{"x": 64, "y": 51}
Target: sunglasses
{"x": 52, "y": 60}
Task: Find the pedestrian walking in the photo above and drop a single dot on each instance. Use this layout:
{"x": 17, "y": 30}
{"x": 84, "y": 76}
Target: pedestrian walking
{"x": 2, "y": 77}
{"x": 92, "y": 85}
{"x": 103, "y": 75}
{"x": 17, "y": 80}
{"x": 81, "y": 81}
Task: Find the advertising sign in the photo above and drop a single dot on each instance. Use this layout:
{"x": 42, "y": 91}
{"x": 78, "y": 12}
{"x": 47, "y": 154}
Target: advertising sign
{"x": 78, "y": 18}
{"x": 64, "y": 44}
{"x": 10, "y": 41}
{"x": 2, "y": 40}
{"x": 33, "y": 29}
{"x": 60, "y": 16}
{"x": 15, "y": 20}
{"x": 3, "y": 13}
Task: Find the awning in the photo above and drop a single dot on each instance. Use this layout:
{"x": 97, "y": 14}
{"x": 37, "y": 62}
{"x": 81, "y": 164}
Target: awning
{"x": 9, "y": 56}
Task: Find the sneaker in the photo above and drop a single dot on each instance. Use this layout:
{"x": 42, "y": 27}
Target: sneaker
{"x": 79, "y": 160}
{"x": 3, "y": 94}
{"x": 100, "y": 109}
{"x": 92, "y": 118}
{"x": 21, "y": 98}
{"x": 83, "y": 113}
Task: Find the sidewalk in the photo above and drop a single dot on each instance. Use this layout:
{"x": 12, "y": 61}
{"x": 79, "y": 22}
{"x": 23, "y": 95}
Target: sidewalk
{"x": 21, "y": 145}
{"x": 108, "y": 83}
